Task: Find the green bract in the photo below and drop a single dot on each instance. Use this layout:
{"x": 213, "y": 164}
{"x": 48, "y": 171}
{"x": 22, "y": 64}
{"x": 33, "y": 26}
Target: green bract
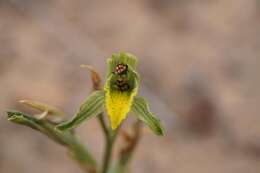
{"x": 93, "y": 106}
{"x": 118, "y": 98}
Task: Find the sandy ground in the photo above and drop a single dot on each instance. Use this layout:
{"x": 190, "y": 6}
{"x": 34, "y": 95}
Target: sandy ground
{"x": 198, "y": 61}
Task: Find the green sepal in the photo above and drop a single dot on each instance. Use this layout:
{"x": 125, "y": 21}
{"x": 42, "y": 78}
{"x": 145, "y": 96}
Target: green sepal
{"x": 132, "y": 77}
{"x": 141, "y": 110}
{"x": 122, "y": 58}
{"x": 93, "y": 106}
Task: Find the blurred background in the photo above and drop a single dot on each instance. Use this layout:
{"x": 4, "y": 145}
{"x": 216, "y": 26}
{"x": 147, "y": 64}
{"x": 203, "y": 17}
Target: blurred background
{"x": 198, "y": 61}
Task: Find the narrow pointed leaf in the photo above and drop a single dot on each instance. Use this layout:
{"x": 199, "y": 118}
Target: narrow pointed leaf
{"x": 93, "y": 106}
{"x": 141, "y": 109}
{"x": 76, "y": 150}
{"x": 34, "y": 123}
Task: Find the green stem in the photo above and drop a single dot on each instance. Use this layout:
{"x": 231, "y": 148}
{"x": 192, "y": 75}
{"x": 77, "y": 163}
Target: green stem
{"x": 108, "y": 144}
{"x": 103, "y": 125}
{"x": 110, "y": 139}
{"x": 107, "y": 156}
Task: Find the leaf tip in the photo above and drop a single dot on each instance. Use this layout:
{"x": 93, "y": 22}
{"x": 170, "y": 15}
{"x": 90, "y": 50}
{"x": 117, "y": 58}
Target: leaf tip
{"x": 9, "y": 115}
{"x": 160, "y": 132}
{"x": 14, "y": 116}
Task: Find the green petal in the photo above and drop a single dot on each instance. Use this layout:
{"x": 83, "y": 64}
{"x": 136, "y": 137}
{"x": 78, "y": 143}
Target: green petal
{"x": 141, "y": 110}
{"x": 93, "y": 106}
{"x": 123, "y": 58}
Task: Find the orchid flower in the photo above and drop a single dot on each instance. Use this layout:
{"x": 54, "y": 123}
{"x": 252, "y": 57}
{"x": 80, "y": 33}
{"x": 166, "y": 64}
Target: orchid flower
{"x": 118, "y": 98}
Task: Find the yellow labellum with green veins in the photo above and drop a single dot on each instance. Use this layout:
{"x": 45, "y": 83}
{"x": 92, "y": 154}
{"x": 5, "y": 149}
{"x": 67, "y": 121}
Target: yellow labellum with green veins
{"x": 118, "y": 104}
{"x": 121, "y": 87}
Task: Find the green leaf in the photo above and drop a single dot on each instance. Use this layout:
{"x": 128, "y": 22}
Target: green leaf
{"x": 77, "y": 150}
{"x": 141, "y": 110}
{"x": 93, "y": 106}
{"x": 40, "y": 125}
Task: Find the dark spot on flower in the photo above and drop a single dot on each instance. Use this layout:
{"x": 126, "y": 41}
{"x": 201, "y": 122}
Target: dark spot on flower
{"x": 121, "y": 69}
{"x": 124, "y": 87}
{"x": 122, "y": 84}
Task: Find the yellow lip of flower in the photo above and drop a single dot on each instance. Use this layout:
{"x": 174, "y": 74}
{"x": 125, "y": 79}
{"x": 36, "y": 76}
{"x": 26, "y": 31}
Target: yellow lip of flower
{"x": 118, "y": 104}
{"x": 119, "y": 101}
